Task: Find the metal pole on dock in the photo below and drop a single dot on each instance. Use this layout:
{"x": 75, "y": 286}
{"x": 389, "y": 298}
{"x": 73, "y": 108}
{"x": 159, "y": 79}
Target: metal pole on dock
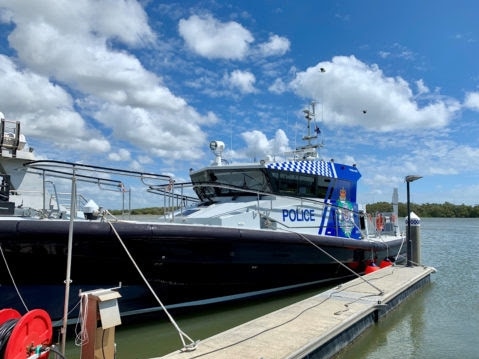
{"x": 409, "y": 179}
{"x": 69, "y": 263}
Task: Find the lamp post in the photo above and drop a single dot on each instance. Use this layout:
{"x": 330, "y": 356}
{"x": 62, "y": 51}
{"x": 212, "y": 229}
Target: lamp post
{"x": 409, "y": 179}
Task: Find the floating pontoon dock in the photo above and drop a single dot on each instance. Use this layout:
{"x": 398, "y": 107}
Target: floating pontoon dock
{"x": 318, "y": 327}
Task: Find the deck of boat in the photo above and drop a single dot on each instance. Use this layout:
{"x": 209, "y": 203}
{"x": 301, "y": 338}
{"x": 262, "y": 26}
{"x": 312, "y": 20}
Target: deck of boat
{"x": 317, "y": 327}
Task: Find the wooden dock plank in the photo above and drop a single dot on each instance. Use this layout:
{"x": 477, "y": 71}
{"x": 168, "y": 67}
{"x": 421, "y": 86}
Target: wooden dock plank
{"x": 309, "y": 325}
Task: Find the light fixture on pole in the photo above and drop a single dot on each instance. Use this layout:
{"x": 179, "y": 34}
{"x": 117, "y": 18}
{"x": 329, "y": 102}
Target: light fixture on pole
{"x": 409, "y": 179}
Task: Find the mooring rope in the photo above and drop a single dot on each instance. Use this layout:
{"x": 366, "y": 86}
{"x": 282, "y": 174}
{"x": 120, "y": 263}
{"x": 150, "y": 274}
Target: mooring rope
{"x": 81, "y": 335}
{"x": 381, "y": 292}
{"x": 399, "y": 251}
{"x": 186, "y": 347}
{"x": 12, "y": 279}
{"x": 301, "y": 235}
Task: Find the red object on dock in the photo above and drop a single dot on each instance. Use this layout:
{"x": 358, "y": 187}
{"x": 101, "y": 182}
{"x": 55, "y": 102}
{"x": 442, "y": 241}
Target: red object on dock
{"x": 33, "y": 331}
{"x": 7, "y": 314}
{"x": 386, "y": 262}
{"x": 372, "y": 268}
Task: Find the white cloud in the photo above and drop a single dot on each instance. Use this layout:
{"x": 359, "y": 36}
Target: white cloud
{"x": 122, "y": 155}
{"x": 421, "y": 87}
{"x": 384, "y": 54}
{"x": 472, "y": 101}
{"x": 212, "y": 39}
{"x": 125, "y": 20}
{"x": 278, "y": 86}
{"x": 397, "y": 51}
{"x": 242, "y": 80}
{"x": 45, "y": 110}
{"x": 74, "y": 44}
{"x": 276, "y": 45}
{"x": 161, "y": 133}
{"x": 348, "y": 87}
{"x": 258, "y": 146}
{"x": 82, "y": 56}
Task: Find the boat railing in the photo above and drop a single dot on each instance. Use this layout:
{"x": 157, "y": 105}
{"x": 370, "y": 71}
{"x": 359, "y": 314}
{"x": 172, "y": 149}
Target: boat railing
{"x": 102, "y": 177}
{"x": 53, "y": 207}
{"x": 176, "y": 197}
{"x": 60, "y": 202}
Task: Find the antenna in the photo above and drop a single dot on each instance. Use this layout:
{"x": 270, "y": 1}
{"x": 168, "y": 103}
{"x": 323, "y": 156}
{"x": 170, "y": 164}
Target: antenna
{"x": 310, "y": 115}
{"x": 231, "y": 137}
{"x": 308, "y": 152}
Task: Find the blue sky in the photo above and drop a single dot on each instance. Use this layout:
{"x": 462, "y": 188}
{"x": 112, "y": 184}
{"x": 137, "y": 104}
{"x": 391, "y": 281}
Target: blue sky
{"x": 146, "y": 85}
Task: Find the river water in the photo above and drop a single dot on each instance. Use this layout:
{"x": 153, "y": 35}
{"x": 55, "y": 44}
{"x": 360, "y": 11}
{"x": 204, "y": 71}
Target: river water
{"x": 442, "y": 320}
{"x": 439, "y": 321}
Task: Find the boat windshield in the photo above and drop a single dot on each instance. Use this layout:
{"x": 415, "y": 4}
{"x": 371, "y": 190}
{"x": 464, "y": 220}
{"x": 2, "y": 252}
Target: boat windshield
{"x": 299, "y": 184}
{"x": 234, "y": 182}
{"x": 251, "y": 180}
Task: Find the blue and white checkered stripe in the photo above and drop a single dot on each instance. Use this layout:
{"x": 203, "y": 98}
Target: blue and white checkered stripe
{"x": 321, "y": 168}
{"x": 415, "y": 221}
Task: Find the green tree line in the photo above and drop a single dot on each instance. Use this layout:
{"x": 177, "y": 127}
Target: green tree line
{"x": 437, "y": 210}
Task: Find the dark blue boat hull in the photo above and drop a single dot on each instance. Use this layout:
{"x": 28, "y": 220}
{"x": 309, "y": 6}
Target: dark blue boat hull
{"x": 185, "y": 265}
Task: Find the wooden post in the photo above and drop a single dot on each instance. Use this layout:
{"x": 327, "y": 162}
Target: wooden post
{"x": 101, "y": 315}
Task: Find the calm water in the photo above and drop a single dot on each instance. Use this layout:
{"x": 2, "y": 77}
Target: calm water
{"x": 440, "y": 321}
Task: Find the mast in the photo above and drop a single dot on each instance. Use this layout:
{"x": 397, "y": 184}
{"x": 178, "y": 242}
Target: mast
{"x": 310, "y": 150}
{"x": 395, "y": 203}
{"x": 310, "y": 115}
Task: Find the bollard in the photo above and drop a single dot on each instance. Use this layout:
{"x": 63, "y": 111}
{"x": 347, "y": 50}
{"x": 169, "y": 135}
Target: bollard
{"x": 415, "y": 237}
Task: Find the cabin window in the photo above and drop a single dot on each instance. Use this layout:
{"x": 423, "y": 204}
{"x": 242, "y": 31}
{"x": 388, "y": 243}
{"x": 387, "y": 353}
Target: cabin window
{"x": 250, "y": 180}
{"x": 323, "y": 184}
{"x": 299, "y": 184}
{"x": 288, "y": 183}
{"x": 306, "y": 186}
